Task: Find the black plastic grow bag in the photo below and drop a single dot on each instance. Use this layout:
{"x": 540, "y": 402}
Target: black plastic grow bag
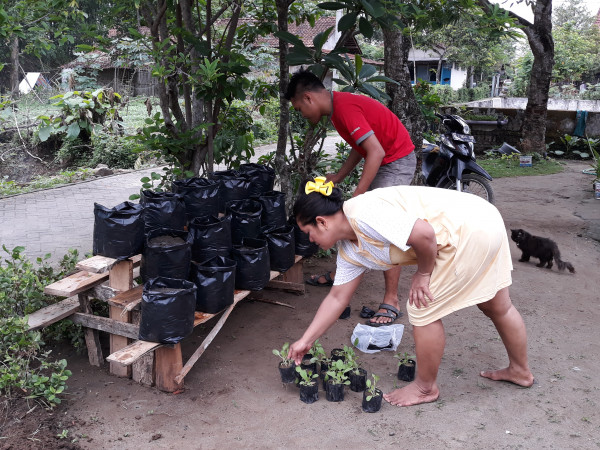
{"x": 245, "y": 219}
{"x": 162, "y": 210}
{"x": 234, "y": 186}
{"x": 273, "y": 209}
{"x": 211, "y": 236}
{"x": 282, "y": 247}
{"x": 263, "y": 177}
{"x": 167, "y": 253}
{"x": 215, "y": 281}
{"x": 303, "y": 245}
{"x": 201, "y": 196}
{"x": 118, "y": 231}
{"x": 168, "y": 307}
{"x": 253, "y": 270}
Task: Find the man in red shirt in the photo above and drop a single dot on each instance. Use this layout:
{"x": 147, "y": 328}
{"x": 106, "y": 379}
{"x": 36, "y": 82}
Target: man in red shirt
{"x": 376, "y": 134}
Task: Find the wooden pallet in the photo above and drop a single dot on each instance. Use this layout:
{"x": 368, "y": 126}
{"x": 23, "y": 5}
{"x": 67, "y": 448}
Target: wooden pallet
{"x": 148, "y": 363}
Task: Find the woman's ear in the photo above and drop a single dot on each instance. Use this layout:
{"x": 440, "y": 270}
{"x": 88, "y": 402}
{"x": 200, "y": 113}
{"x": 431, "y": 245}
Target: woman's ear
{"x": 322, "y": 221}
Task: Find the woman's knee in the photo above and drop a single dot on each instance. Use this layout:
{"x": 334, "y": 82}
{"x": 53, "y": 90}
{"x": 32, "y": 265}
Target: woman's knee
{"x": 499, "y": 305}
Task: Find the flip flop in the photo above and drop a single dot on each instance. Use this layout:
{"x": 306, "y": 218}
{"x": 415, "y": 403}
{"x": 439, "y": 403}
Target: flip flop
{"x": 392, "y": 313}
{"x": 366, "y": 312}
{"x": 314, "y": 281}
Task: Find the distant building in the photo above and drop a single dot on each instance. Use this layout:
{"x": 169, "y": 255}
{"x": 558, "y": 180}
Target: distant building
{"x": 426, "y": 62}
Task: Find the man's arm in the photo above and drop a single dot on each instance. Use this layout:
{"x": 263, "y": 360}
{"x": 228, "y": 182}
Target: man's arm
{"x": 353, "y": 159}
{"x": 375, "y": 154}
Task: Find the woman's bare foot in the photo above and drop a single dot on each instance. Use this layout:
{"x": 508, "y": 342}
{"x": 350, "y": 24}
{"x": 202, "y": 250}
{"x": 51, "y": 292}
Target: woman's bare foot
{"x": 412, "y": 395}
{"x": 524, "y": 378}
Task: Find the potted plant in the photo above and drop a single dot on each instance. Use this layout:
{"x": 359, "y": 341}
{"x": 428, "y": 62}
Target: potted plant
{"x": 406, "y": 366}
{"x": 357, "y": 375}
{"x": 336, "y": 380}
{"x": 286, "y": 365}
{"x": 372, "y": 396}
{"x": 309, "y": 388}
{"x": 337, "y": 354}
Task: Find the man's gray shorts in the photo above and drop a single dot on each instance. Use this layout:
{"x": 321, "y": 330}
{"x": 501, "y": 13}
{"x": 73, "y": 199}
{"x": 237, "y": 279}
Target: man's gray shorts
{"x": 396, "y": 173}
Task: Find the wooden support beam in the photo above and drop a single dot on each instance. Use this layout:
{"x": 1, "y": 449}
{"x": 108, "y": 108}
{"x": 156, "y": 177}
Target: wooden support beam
{"x": 128, "y": 355}
{"x": 114, "y": 327}
{"x": 169, "y": 364}
{"x": 286, "y": 285}
{"x": 121, "y": 279}
{"x": 128, "y": 299}
{"x": 142, "y": 370}
{"x": 92, "y": 338}
{"x": 53, "y": 313}
{"x": 200, "y": 350}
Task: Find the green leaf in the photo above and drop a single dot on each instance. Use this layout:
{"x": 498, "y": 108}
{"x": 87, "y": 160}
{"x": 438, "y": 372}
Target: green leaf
{"x": 332, "y": 6}
{"x": 347, "y": 21}
{"x": 155, "y": 176}
{"x": 44, "y": 133}
{"x": 73, "y": 131}
{"x": 367, "y": 70}
{"x": 365, "y": 27}
{"x": 290, "y": 38}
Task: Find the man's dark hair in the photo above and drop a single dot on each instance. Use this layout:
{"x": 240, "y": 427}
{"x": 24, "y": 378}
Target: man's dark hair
{"x": 302, "y": 81}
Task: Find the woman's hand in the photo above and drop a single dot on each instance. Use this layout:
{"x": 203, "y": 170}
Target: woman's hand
{"x": 419, "y": 290}
{"x": 298, "y": 349}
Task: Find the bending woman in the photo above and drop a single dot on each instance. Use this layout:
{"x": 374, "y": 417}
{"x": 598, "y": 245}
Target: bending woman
{"x": 458, "y": 243}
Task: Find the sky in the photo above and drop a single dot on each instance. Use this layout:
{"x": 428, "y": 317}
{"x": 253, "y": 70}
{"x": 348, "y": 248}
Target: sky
{"x": 525, "y": 12}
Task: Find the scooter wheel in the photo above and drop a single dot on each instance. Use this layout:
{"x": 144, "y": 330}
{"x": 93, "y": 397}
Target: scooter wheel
{"x": 474, "y": 184}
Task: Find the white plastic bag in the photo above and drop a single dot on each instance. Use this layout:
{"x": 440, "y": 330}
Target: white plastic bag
{"x": 386, "y": 337}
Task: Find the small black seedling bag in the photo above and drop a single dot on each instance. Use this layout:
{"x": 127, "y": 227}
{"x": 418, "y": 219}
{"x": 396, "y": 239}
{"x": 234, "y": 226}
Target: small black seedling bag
{"x": 273, "y": 209}
{"x": 215, "y": 281}
{"x": 303, "y": 245}
{"x": 245, "y": 219}
{"x": 201, "y": 196}
{"x": 167, "y": 253}
{"x": 263, "y": 177}
{"x": 168, "y": 307}
{"x": 163, "y": 210}
{"x": 211, "y": 236}
{"x": 234, "y": 186}
{"x": 253, "y": 270}
{"x": 118, "y": 231}
{"x": 282, "y": 247}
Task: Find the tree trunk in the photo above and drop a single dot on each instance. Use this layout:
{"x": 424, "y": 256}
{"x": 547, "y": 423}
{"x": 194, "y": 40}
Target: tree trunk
{"x": 14, "y": 68}
{"x": 403, "y": 103}
{"x": 540, "y": 39}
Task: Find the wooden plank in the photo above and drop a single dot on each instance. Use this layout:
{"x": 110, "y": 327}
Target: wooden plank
{"x": 92, "y": 338}
{"x": 74, "y": 284}
{"x": 102, "y": 292}
{"x": 286, "y": 285}
{"x": 128, "y": 355}
{"x": 124, "y": 299}
{"x": 101, "y": 264}
{"x": 120, "y": 278}
{"x": 168, "y": 365}
{"x": 116, "y": 328}
{"x": 200, "y": 350}
{"x": 53, "y": 313}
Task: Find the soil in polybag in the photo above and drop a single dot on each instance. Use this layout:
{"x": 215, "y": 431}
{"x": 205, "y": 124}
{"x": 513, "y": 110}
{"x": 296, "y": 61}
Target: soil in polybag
{"x": 119, "y": 231}
{"x": 201, "y": 196}
{"x": 215, "y": 283}
{"x": 168, "y": 307}
{"x": 167, "y": 253}
{"x": 211, "y": 236}
{"x": 253, "y": 270}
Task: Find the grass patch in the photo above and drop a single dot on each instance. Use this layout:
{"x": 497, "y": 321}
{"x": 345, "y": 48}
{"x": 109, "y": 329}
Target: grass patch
{"x": 508, "y": 166}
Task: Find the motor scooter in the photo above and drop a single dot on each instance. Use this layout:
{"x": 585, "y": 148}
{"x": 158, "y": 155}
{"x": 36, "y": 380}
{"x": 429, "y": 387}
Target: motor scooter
{"x": 451, "y": 163}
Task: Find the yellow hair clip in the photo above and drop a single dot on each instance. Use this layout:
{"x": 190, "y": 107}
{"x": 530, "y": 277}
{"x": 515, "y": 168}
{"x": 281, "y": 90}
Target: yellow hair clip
{"x": 319, "y": 186}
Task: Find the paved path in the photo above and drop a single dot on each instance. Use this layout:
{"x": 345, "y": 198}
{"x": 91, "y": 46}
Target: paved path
{"x": 56, "y": 220}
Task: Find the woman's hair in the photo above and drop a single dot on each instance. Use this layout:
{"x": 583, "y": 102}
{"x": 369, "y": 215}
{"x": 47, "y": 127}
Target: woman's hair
{"x": 309, "y": 206}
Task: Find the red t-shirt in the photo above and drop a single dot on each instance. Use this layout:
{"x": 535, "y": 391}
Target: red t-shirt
{"x": 356, "y": 117}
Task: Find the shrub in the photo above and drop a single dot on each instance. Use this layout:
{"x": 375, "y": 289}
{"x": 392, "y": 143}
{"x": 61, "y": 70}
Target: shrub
{"x": 117, "y": 152}
{"x": 25, "y": 370}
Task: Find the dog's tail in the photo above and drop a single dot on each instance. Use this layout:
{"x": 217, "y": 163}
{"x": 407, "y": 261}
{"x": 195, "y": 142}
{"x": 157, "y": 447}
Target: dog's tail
{"x": 562, "y": 265}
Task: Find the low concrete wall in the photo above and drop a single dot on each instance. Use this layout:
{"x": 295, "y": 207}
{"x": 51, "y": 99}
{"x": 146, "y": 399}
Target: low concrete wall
{"x": 561, "y": 120}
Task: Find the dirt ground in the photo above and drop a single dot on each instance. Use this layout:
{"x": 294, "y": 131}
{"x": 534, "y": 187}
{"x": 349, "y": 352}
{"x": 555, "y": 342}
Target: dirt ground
{"x": 233, "y": 397}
